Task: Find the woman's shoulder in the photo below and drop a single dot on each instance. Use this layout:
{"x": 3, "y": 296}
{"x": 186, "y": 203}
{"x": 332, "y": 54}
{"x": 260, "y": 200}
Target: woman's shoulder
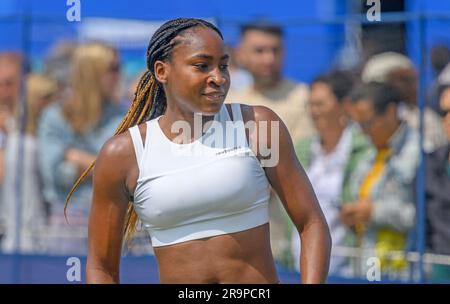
{"x": 269, "y": 130}
{"x": 53, "y": 111}
{"x": 258, "y": 113}
{"x": 52, "y": 121}
{"x": 117, "y": 149}
{"x": 359, "y": 141}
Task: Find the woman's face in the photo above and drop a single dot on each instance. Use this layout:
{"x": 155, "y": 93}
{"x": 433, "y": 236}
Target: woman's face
{"x": 196, "y": 77}
{"x": 374, "y": 124}
{"x": 326, "y": 111}
{"x": 109, "y": 81}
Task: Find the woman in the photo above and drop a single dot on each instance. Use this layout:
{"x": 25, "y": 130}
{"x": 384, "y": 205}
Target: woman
{"x": 70, "y": 135}
{"x": 382, "y": 212}
{"x": 206, "y": 212}
{"x": 331, "y": 156}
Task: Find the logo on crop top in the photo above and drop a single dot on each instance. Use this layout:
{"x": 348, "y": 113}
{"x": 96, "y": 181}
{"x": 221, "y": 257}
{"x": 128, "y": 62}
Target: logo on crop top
{"x": 229, "y": 150}
{"x": 225, "y": 137}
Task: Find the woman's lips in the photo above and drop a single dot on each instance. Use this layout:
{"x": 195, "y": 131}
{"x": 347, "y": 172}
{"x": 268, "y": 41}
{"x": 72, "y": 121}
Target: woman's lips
{"x": 215, "y": 97}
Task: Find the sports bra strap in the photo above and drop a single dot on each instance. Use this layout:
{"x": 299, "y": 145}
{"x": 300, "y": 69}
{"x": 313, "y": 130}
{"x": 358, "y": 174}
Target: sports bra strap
{"x": 137, "y": 142}
{"x": 237, "y": 114}
{"x": 237, "y": 117}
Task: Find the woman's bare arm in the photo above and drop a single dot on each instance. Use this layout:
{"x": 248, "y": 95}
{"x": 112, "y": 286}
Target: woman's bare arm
{"x": 289, "y": 180}
{"x": 109, "y": 206}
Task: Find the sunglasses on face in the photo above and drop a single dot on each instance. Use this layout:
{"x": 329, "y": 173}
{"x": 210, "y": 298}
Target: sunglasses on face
{"x": 444, "y": 112}
{"x": 367, "y": 125}
{"x": 114, "y": 68}
{"x": 316, "y": 104}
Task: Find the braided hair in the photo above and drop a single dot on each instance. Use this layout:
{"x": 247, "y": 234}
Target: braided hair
{"x": 149, "y": 100}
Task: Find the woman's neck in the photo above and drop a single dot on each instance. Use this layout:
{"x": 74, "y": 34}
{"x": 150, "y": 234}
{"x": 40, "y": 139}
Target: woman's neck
{"x": 330, "y": 138}
{"x": 186, "y": 124}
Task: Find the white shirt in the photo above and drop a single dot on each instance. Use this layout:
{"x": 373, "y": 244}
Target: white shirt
{"x": 326, "y": 173}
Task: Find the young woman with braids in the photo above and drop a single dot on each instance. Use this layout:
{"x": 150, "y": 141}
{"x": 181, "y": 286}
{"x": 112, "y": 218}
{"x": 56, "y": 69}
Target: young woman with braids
{"x": 206, "y": 213}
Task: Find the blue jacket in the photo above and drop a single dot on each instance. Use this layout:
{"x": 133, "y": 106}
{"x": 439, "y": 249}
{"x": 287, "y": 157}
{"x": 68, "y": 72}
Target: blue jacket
{"x": 55, "y": 135}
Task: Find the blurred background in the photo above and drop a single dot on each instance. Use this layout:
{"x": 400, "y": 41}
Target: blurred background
{"x": 68, "y": 71}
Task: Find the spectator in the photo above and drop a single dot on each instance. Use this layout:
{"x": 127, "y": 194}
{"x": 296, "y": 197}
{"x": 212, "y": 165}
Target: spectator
{"x": 72, "y": 132}
{"x": 261, "y": 53}
{"x": 438, "y": 194}
{"x": 440, "y": 57}
{"x": 240, "y": 77}
{"x": 58, "y": 65}
{"x": 24, "y": 233}
{"x": 331, "y": 156}
{"x": 10, "y": 70}
{"x": 10, "y": 77}
{"x": 382, "y": 211}
{"x": 398, "y": 70}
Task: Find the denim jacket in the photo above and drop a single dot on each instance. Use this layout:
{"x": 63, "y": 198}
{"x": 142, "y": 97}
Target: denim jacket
{"x": 55, "y": 135}
{"x": 393, "y": 194}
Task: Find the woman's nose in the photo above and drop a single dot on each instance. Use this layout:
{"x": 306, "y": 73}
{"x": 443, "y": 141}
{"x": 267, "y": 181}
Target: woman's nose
{"x": 217, "y": 77}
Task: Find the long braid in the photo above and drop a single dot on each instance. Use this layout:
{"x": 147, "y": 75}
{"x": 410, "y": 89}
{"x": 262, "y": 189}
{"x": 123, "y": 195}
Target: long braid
{"x": 149, "y": 99}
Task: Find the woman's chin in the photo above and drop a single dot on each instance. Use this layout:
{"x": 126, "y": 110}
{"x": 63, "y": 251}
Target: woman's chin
{"x": 211, "y": 108}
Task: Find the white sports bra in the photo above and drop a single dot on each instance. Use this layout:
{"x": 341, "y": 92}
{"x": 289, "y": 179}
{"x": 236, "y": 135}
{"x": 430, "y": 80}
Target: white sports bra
{"x": 212, "y": 186}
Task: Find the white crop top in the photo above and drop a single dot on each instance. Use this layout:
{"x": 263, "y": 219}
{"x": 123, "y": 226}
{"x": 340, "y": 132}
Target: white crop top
{"x": 212, "y": 186}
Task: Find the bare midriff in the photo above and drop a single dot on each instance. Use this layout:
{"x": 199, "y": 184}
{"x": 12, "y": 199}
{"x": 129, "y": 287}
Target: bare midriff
{"x": 242, "y": 257}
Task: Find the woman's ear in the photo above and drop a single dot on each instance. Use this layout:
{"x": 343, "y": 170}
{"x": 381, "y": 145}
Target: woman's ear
{"x": 392, "y": 110}
{"x": 161, "y": 71}
{"x": 347, "y": 106}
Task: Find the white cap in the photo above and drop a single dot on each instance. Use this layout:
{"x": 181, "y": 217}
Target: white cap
{"x": 379, "y": 66}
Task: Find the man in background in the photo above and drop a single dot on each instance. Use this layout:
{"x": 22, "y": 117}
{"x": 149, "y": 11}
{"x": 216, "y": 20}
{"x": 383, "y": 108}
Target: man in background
{"x": 261, "y": 52}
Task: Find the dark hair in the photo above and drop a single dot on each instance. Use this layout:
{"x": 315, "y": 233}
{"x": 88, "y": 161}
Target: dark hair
{"x": 262, "y": 26}
{"x": 442, "y": 88}
{"x": 340, "y": 82}
{"x": 440, "y": 57}
{"x": 381, "y": 95}
{"x": 149, "y": 99}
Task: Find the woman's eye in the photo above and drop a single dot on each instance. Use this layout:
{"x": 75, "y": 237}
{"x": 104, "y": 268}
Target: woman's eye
{"x": 224, "y": 66}
{"x": 201, "y": 66}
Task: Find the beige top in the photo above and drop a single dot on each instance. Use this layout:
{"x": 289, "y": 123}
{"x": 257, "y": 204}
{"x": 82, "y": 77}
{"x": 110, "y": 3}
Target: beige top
{"x": 288, "y": 100}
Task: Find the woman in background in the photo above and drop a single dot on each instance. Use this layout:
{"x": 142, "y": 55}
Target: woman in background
{"x": 70, "y": 135}
{"x": 330, "y": 157}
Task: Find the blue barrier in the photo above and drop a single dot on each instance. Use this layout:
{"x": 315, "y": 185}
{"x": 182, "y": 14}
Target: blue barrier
{"x": 44, "y": 269}
{"x": 33, "y": 269}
